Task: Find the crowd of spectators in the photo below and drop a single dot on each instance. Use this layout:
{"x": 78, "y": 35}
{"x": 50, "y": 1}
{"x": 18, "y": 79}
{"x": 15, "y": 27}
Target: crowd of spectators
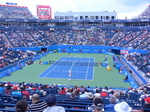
{"x": 131, "y": 39}
{"x": 127, "y": 38}
{"x": 117, "y": 37}
{"x": 14, "y": 39}
{"x": 8, "y": 57}
{"x": 39, "y": 37}
{"x": 42, "y": 97}
{"x": 27, "y": 38}
{"x": 143, "y": 37}
{"x": 27, "y": 24}
{"x": 15, "y": 12}
{"x": 145, "y": 14}
{"x": 3, "y": 42}
{"x": 73, "y": 37}
{"x": 142, "y": 61}
{"x": 88, "y": 37}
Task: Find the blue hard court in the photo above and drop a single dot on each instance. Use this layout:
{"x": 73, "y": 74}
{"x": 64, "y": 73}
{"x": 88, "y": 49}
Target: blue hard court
{"x": 85, "y": 72}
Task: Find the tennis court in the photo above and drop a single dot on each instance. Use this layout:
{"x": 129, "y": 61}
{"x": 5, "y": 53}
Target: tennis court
{"x": 81, "y": 68}
{"x": 83, "y": 71}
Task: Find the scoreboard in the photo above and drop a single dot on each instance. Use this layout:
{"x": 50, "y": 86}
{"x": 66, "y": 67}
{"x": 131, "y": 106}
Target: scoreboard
{"x": 44, "y": 12}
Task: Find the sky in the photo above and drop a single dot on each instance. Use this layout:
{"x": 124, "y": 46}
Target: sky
{"x": 124, "y": 8}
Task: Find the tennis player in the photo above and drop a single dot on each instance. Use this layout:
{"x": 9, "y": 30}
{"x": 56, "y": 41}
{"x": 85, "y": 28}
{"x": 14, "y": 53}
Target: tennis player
{"x": 105, "y": 60}
{"x": 70, "y": 74}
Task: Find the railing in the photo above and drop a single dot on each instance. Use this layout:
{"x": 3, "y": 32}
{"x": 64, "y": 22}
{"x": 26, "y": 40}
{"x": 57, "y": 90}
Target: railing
{"x": 137, "y": 77}
{"x": 12, "y": 65}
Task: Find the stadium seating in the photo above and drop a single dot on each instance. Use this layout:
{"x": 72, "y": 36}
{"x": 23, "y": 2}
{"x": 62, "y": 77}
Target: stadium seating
{"x": 40, "y": 37}
{"x": 143, "y": 37}
{"x": 24, "y": 38}
{"x": 12, "y": 56}
{"x": 14, "y": 39}
{"x": 8, "y": 11}
{"x": 129, "y": 39}
{"x": 131, "y": 96}
{"x": 140, "y": 60}
{"x": 145, "y": 14}
{"x": 25, "y": 35}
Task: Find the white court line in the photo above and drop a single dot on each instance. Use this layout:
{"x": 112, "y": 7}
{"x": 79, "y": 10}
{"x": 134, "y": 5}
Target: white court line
{"x": 54, "y": 67}
{"x": 67, "y": 71}
{"x": 73, "y": 64}
{"x": 46, "y": 69}
{"x": 60, "y": 78}
{"x": 93, "y": 70}
{"x": 87, "y": 69}
{"x": 43, "y": 71}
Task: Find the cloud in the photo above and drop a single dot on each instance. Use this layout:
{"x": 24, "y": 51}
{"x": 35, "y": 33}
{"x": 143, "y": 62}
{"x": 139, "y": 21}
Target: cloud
{"x": 133, "y": 3}
{"x": 86, "y": 5}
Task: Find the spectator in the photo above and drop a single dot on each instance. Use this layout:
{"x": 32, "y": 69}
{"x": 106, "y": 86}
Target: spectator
{"x": 117, "y": 97}
{"x": 63, "y": 91}
{"x": 73, "y": 96}
{"x": 126, "y": 78}
{"x": 89, "y": 89}
{"x": 147, "y": 104}
{"x": 24, "y": 92}
{"x": 69, "y": 91}
{"x": 98, "y": 109}
{"x": 21, "y": 106}
{"x": 8, "y": 88}
{"x": 37, "y": 105}
{"x": 51, "y": 102}
{"x": 83, "y": 95}
{"x": 104, "y": 93}
{"x": 97, "y": 93}
{"x": 97, "y": 104}
{"x": 143, "y": 95}
{"x": 112, "y": 101}
{"x": 122, "y": 107}
{"x": 111, "y": 92}
{"x": 90, "y": 96}
{"x": 1, "y": 87}
{"x": 17, "y": 93}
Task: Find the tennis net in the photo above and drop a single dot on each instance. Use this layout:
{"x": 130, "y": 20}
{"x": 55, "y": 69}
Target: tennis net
{"x": 75, "y": 63}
